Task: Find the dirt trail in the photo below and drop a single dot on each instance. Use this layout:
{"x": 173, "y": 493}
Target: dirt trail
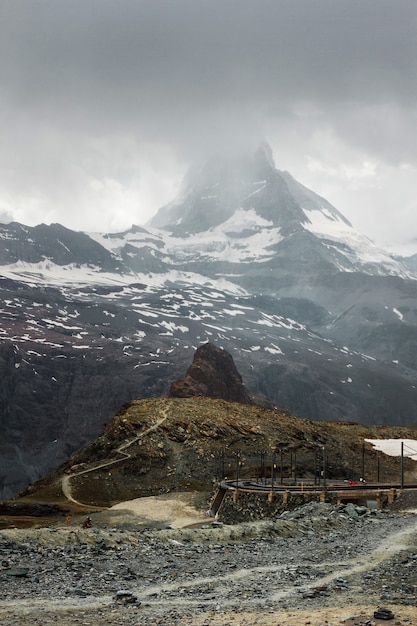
{"x": 66, "y": 480}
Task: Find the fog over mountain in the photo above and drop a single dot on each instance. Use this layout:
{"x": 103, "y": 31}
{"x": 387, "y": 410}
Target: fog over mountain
{"x": 317, "y": 318}
{"x": 104, "y": 106}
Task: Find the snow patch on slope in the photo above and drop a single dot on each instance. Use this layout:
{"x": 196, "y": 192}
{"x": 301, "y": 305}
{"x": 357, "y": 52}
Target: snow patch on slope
{"x": 244, "y": 237}
{"x": 352, "y": 244}
{"x": 49, "y": 273}
{"x": 392, "y": 447}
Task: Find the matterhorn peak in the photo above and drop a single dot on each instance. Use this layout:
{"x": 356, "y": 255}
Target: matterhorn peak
{"x": 264, "y": 152}
{"x": 213, "y": 192}
{"x": 242, "y": 208}
{"x": 233, "y": 167}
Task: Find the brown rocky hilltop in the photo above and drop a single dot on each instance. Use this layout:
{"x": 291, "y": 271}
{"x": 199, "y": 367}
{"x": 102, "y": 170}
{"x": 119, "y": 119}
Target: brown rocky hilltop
{"x": 158, "y": 445}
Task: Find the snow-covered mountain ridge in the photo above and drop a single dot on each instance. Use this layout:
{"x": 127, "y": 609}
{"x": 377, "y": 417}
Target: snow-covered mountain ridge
{"x": 316, "y": 317}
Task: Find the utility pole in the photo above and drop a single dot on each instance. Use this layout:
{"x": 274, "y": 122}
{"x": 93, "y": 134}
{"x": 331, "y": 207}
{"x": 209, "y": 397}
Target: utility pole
{"x": 262, "y": 468}
{"x": 295, "y": 466}
{"x": 363, "y": 461}
{"x": 237, "y": 468}
{"x": 402, "y": 464}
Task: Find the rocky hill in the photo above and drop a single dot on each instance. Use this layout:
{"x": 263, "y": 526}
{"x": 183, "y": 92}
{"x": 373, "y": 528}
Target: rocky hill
{"x": 158, "y": 445}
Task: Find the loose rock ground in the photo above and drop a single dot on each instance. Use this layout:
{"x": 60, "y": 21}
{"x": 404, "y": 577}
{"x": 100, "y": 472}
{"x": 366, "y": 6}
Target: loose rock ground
{"x": 318, "y": 565}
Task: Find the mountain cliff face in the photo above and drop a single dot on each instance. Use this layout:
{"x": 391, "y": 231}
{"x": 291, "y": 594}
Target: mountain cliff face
{"x": 315, "y": 316}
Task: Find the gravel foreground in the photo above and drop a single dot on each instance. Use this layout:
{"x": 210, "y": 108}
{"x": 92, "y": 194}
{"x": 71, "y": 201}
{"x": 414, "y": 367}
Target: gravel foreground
{"x": 318, "y": 565}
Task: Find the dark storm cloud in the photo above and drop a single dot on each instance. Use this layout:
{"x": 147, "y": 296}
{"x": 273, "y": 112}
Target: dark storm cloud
{"x": 191, "y": 74}
{"x": 101, "y": 62}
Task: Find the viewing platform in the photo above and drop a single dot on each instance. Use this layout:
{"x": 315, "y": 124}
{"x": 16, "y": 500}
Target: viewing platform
{"x": 372, "y": 495}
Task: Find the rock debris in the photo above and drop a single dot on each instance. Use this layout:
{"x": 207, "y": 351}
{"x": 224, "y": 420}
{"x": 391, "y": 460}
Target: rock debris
{"x": 315, "y": 557}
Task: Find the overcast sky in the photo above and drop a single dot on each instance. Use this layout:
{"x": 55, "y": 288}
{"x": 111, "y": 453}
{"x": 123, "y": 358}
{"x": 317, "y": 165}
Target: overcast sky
{"x": 105, "y": 103}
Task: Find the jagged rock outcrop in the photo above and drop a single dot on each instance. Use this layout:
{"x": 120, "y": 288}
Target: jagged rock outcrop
{"x": 212, "y": 374}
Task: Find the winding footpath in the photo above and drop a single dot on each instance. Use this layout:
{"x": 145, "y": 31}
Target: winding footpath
{"x": 66, "y": 480}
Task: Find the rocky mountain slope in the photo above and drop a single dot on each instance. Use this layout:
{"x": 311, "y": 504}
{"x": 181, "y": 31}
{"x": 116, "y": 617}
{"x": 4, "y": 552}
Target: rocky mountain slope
{"x": 315, "y": 316}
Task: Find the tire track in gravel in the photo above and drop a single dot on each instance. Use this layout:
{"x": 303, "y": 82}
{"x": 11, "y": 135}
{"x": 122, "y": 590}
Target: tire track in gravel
{"x": 215, "y": 590}
{"x": 349, "y": 568}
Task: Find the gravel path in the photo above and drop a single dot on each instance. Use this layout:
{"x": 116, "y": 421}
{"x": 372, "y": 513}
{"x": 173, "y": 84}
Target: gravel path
{"x": 317, "y": 565}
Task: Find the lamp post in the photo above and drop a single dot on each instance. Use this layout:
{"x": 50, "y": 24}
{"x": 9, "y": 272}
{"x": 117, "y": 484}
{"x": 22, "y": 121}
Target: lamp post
{"x": 402, "y": 464}
{"x": 363, "y": 461}
{"x": 295, "y": 467}
{"x": 237, "y": 468}
{"x": 220, "y": 464}
{"x": 272, "y": 470}
{"x": 261, "y": 476}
